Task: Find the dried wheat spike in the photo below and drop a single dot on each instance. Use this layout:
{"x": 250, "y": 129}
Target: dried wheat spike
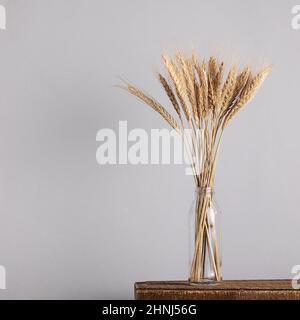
{"x": 217, "y": 84}
{"x": 187, "y": 79}
{"x": 153, "y": 104}
{"x": 203, "y": 88}
{"x": 247, "y": 93}
{"x": 228, "y": 88}
{"x": 212, "y": 68}
{"x": 170, "y": 94}
{"x": 178, "y": 84}
{"x": 197, "y": 92}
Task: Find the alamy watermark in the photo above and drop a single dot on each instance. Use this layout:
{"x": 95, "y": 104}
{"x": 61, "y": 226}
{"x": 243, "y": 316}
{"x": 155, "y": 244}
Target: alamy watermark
{"x": 2, "y": 17}
{"x": 296, "y": 278}
{"x": 295, "y": 22}
{"x": 161, "y": 146}
{"x": 2, "y": 278}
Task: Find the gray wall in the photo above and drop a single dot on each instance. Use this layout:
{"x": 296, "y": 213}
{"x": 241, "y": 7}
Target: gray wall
{"x": 70, "y": 228}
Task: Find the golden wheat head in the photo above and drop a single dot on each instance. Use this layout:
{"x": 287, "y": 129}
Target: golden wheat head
{"x": 198, "y": 94}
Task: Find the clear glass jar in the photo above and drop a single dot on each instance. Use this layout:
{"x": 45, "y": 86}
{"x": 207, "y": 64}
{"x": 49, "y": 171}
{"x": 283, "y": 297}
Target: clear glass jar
{"x": 205, "y": 238}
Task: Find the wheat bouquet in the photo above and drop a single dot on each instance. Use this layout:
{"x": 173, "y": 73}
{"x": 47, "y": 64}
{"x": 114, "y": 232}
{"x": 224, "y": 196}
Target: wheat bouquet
{"x": 205, "y": 97}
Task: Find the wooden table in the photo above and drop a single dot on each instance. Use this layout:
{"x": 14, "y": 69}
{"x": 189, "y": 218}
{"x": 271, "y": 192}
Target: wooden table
{"x": 225, "y": 290}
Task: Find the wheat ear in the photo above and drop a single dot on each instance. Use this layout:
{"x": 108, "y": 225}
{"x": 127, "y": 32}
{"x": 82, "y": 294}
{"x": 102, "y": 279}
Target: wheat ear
{"x": 217, "y": 84}
{"x": 153, "y": 104}
{"x": 228, "y": 88}
{"x": 178, "y": 85}
{"x": 187, "y": 80}
{"x": 170, "y": 94}
{"x": 248, "y": 93}
{"x": 203, "y": 87}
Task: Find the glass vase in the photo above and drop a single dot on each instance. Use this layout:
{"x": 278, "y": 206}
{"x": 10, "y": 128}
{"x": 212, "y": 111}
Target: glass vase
{"x": 205, "y": 238}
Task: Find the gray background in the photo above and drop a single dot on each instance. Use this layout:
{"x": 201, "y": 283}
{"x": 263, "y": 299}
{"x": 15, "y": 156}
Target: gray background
{"x": 70, "y": 228}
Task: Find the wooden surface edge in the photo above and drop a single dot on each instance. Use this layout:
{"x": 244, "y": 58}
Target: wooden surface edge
{"x": 219, "y": 295}
{"x": 280, "y": 289}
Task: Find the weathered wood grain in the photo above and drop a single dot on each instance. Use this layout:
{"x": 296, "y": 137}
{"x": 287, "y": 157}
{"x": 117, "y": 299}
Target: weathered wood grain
{"x": 225, "y": 290}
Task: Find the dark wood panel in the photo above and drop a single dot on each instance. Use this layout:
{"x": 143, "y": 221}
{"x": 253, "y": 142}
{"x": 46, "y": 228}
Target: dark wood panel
{"x": 225, "y": 290}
